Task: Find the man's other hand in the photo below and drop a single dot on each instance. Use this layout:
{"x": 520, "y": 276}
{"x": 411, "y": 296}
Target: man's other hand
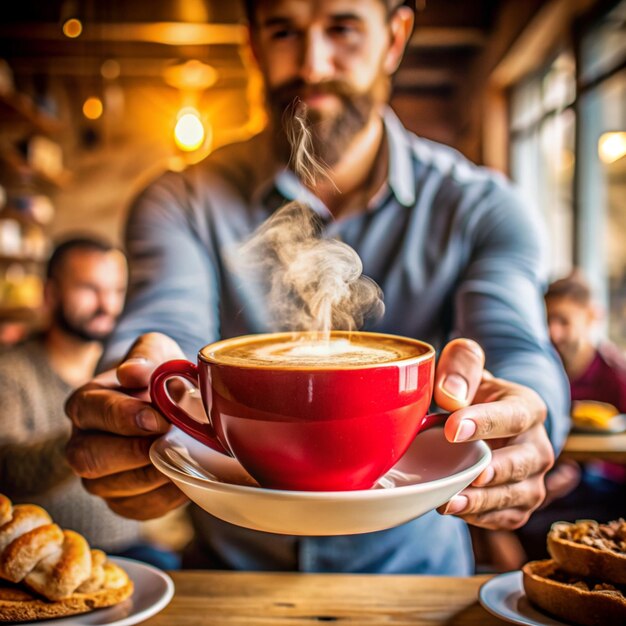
{"x": 510, "y": 418}
{"x": 114, "y": 425}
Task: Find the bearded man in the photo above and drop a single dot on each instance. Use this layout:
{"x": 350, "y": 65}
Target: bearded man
{"x": 455, "y": 252}
{"x": 84, "y": 294}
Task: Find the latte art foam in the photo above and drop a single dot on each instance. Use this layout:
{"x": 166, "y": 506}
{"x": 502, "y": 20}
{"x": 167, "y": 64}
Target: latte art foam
{"x": 338, "y": 351}
{"x": 306, "y": 353}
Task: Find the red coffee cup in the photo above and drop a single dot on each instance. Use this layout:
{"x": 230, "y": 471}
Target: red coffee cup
{"x": 327, "y": 427}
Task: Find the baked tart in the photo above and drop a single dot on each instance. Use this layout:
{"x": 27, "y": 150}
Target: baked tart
{"x": 48, "y": 572}
{"x": 572, "y": 599}
{"x": 590, "y": 549}
{"x": 584, "y": 582}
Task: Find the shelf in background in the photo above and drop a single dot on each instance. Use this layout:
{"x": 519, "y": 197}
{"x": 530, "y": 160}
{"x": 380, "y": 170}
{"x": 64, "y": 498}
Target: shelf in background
{"x": 14, "y": 166}
{"x": 19, "y": 314}
{"x": 9, "y": 212}
{"x": 19, "y": 113}
{"x": 11, "y": 258}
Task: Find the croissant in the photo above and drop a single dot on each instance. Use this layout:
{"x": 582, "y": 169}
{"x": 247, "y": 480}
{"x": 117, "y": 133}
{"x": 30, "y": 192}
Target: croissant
{"x": 38, "y": 556}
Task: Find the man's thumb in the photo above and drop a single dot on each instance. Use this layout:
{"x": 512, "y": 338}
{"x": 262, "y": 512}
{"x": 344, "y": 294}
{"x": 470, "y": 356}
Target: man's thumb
{"x": 459, "y": 373}
{"x": 145, "y": 355}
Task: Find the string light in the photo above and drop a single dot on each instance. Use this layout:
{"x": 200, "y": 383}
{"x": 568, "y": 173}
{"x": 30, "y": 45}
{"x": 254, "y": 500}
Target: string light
{"x": 92, "y": 108}
{"x": 612, "y": 146}
{"x": 72, "y": 28}
{"x": 189, "y": 131}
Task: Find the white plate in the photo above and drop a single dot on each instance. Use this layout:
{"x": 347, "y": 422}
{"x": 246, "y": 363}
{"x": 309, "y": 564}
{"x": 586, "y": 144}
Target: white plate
{"x": 153, "y": 591}
{"x": 428, "y": 475}
{"x": 504, "y": 597}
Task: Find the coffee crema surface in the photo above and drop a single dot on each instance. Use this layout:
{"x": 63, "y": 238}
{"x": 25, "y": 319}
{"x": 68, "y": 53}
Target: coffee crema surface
{"x": 340, "y": 351}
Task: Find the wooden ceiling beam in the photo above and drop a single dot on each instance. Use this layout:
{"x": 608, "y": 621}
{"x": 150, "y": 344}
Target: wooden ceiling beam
{"x": 424, "y": 77}
{"x": 198, "y": 11}
{"x": 130, "y": 68}
{"x": 457, "y": 13}
{"x": 551, "y": 24}
{"x": 440, "y": 92}
{"x": 511, "y": 19}
{"x": 456, "y": 61}
{"x": 447, "y": 37}
{"x": 48, "y": 50}
{"x": 164, "y": 33}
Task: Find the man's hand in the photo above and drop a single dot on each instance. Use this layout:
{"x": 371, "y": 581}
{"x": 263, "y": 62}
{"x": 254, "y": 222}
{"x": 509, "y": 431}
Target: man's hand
{"x": 113, "y": 427}
{"x": 510, "y": 418}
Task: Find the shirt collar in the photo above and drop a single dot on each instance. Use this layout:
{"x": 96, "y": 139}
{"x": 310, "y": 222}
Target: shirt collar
{"x": 401, "y": 177}
{"x": 400, "y": 180}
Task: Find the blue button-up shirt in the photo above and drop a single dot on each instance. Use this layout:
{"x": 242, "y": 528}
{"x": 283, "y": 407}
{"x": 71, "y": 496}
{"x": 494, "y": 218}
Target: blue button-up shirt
{"x": 455, "y": 252}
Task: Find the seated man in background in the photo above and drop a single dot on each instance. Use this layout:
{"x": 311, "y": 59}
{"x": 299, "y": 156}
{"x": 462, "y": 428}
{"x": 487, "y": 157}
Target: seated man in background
{"x": 84, "y": 295}
{"x": 596, "y": 372}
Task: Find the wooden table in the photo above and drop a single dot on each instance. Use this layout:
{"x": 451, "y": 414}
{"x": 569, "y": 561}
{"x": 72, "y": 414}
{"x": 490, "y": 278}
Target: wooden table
{"x": 272, "y": 599}
{"x": 606, "y": 447}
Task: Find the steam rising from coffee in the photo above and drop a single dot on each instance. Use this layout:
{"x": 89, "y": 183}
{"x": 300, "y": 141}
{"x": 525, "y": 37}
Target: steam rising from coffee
{"x": 312, "y": 283}
{"x": 328, "y": 134}
{"x": 315, "y": 284}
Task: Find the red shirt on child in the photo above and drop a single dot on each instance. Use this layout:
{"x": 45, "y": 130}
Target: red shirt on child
{"x": 604, "y": 380}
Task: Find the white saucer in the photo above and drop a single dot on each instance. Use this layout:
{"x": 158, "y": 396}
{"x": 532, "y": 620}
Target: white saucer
{"x": 153, "y": 591}
{"x": 428, "y": 475}
{"x": 504, "y": 597}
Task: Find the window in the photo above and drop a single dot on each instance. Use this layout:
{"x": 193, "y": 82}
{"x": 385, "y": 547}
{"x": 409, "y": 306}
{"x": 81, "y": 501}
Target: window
{"x": 542, "y": 151}
{"x": 586, "y": 221}
{"x": 601, "y": 232}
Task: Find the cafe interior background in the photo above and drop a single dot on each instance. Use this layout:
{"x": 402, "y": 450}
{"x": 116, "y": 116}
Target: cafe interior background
{"x": 97, "y": 97}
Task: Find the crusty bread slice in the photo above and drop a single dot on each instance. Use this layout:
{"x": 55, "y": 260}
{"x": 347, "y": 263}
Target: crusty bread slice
{"x": 583, "y": 550}
{"x": 573, "y": 601}
{"x": 20, "y": 605}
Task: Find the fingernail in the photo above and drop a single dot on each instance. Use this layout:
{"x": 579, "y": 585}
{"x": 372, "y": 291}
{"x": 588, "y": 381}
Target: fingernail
{"x": 147, "y": 420}
{"x": 455, "y": 386}
{"x": 456, "y": 505}
{"x": 486, "y": 477}
{"x": 136, "y": 360}
{"x": 465, "y": 430}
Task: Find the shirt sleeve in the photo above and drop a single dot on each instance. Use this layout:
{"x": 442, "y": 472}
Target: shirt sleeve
{"x": 499, "y": 303}
{"x": 173, "y": 282}
{"x": 25, "y": 467}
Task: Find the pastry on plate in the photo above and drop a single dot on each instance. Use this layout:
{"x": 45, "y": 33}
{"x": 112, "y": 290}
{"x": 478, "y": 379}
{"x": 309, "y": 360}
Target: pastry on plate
{"x": 48, "y": 572}
{"x": 593, "y": 415}
{"x": 589, "y": 549}
{"x": 584, "y": 582}
{"x": 586, "y": 602}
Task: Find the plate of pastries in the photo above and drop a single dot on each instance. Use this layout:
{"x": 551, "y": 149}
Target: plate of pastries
{"x": 49, "y": 572}
{"x": 583, "y": 583}
{"x": 589, "y": 416}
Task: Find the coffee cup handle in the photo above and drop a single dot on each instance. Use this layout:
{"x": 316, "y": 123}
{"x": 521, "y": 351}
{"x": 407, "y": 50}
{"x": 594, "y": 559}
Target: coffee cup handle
{"x": 433, "y": 419}
{"x": 202, "y": 431}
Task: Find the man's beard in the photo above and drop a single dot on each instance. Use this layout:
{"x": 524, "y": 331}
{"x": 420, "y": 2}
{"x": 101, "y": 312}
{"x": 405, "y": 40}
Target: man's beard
{"x": 330, "y": 134}
{"x": 78, "y": 328}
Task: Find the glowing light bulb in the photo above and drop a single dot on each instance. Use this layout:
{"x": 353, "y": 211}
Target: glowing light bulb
{"x": 189, "y": 132}
{"x": 92, "y": 108}
{"x": 612, "y": 146}
{"x": 72, "y": 28}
